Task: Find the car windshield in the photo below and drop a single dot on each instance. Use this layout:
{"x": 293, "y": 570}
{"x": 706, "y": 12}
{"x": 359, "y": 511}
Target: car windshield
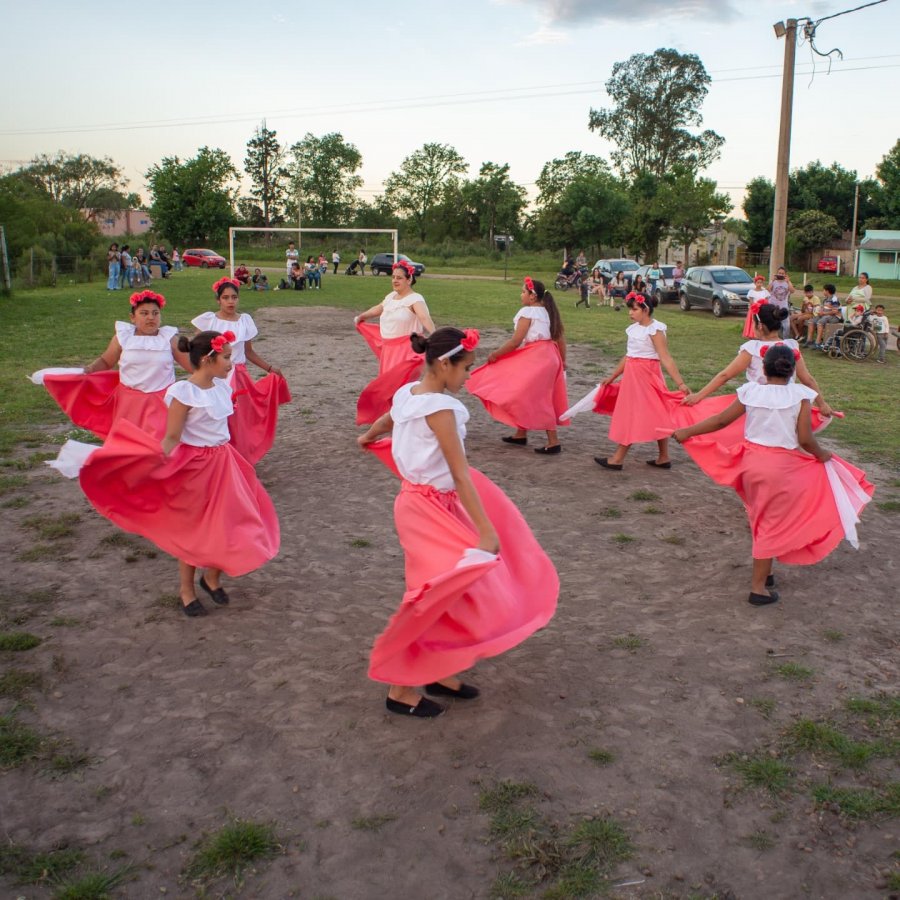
{"x": 731, "y": 276}
{"x": 623, "y": 265}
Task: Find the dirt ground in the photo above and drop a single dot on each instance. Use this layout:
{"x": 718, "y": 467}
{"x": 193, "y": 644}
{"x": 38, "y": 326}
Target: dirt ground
{"x": 263, "y": 710}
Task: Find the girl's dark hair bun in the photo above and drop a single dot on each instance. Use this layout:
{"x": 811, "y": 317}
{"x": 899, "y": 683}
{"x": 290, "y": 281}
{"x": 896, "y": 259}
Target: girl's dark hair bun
{"x": 779, "y": 361}
{"x": 184, "y": 344}
{"x": 419, "y": 342}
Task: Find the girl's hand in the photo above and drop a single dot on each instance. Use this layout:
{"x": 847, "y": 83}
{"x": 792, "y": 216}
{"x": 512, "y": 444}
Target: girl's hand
{"x": 691, "y": 400}
{"x": 493, "y": 357}
{"x": 826, "y": 410}
{"x": 489, "y": 542}
{"x": 356, "y": 320}
{"x": 679, "y": 435}
{"x": 825, "y": 456}
{"x": 275, "y": 370}
{"x": 364, "y": 439}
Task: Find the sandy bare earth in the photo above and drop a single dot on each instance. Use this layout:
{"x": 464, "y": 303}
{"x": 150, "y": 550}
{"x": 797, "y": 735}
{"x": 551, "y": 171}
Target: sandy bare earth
{"x": 263, "y": 710}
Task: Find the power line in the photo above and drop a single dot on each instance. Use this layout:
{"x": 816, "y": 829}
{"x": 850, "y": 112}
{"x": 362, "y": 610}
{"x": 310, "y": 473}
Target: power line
{"x": 844, "y": 12}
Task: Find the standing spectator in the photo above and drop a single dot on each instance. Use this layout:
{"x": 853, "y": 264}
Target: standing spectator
{"x": 335, "y": 260}
{"x": 125, "y": 266}
{"x": 581, "y": 260}
{"x": 164, "y": 259}
{"x": 313, "y": 273}
{"x": 678, "y": 274}
{"x": 292, "y": 255}
{"x": 780, "y": 291}
{"x": 112, "y": 263}
{"x": 136, "y": 278}
{"x": 362, "y": 259}
{"x": 882, "y": 330}
{"x": 860, "y": 293}
{"x": 654, "y": 273}
{"x": 176, "y": 259}
{"x": 145, "y": 269}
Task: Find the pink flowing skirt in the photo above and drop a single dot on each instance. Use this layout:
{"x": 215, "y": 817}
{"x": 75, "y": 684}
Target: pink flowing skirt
{"x": 525, "y": 389}
{"x": 255, "y": 418}
{"x": 398, "y": 364}
{"x": 791, "y": 505}
{"x": 202, "y": 505}
{"x": 749, "y": 329}
{"x": 460, "y": 606}
{"x": 643, "y": 405}
{"x": 94, "y": 402}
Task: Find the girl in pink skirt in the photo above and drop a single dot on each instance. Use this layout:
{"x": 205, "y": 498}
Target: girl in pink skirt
{"x": 402, "y": 312}
{"x": 523, "y": 383}
{"x": 643, "y": 405}
{"x": 255, "y": 419}
{"x": 478, "y": 583}
{"x": 756, "y": 296}
{"x": 145, "y": 351}
{"x": 799, "y": 509}
{"x": 193, "y": 495}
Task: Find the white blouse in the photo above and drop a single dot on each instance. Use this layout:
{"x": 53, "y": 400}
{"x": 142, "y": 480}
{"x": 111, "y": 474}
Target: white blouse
{"x": 538, "y": 327}
{"x": 146, "y": 363}
{"x": 414, "y": 445}
{"x": 244, "y": 330}
{"x": 755, "y": 371}
{"x": 754, "y": 295}
{"x": 639, "y": 344}
{"x": 207, "y": 419}
{"x": 772, "y": 411}
{"x": 397, "y": 317}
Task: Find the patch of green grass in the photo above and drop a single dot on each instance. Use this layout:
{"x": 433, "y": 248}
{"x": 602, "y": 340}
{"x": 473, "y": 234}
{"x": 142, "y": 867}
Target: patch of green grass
{"x": 793, "y": 671}
{"x": 53, "y": 528}
{"x": 503, "y": 802}
{"x": 23, "y": 463}
{"x": 765, "y": 706}
{"x": 644, "y": 495}
{"x": 821, "y": 737}
{"x": 168, "y": 601}
{"x": 611, "y": 512}
{"x": 40, "y": 552}
{"x": 232, "y": 849}
{"x": 893, "y": 881}
{"x": 18, "y": 640}
{"x": 600, "y": 843}
{"x": 675, "y": 539}
{"x": 15, "y": 683}
{"x": 16, "y": 503}
{"x": 759, "y": 840}
{"x": 889, "y": 505}
{"x": 508, "y": 886}
{"x": 137, "y": 820}
{"x": 601, "y": 757}
{"x": 832, "y": 635}
{"x": 360, "y": 542}
{"x": 18, "y": 742}
{"x": 371, "y": 823}
{"x": 761, "y": 771}
{"x": 28, "y": 867}
{"x": 622, "y": 538}
{"x": 118, "y": 539}
{"x": 10, "y": 483}
{"x": 885, "y": 707}
{"x": 860, "y": 803}
{"x": 92, "y": 885}
{"x": 64, "y": 622}
{"x": 65, "y": 761}
{"x": 628, "y": 641}
{"x": 652, "y": 511}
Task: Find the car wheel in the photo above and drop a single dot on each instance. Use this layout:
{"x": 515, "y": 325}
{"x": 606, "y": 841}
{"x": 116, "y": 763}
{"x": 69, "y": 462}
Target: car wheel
{"x": 718, "y": 308}
{"x": 683, "y": 302}
{"x": 204, "y": 265}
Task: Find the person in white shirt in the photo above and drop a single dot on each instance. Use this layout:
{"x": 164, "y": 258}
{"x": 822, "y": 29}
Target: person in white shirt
{"x": 882, "y": 329}
{"x": 291, "y": 256}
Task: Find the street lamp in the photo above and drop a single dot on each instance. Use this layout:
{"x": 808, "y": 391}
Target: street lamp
{"x": 779, "y": 29}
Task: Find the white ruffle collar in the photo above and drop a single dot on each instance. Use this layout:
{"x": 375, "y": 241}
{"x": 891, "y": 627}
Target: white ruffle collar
{"x": 408, "y": 406}
{"x": 637, "y": 329}
{"x": 215, "y": 400}
{"x": 125, "y": 334}
{"x": 774, "y": 396}
{"x": 244, "y": 328}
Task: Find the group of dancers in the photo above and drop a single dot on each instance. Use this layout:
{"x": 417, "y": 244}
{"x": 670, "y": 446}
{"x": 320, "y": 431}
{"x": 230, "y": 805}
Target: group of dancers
{"x": 176, "y": 465}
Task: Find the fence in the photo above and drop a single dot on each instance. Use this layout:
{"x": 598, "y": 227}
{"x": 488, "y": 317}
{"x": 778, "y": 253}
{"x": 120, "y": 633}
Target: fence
{"x": 37, "y": 267}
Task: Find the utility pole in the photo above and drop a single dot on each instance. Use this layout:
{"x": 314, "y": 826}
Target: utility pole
{"x": 853, "y": 232}
{"x": 782, "y": 174}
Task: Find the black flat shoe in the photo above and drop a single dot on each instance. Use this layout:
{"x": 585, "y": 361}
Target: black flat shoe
{"x": 424, "y": 709}
{"x": 519, "y": 442}
{"x": 219, "y": 597}
{"x": 547, "y": 451}
{"x": 603, "y": 461}
{"x": 763, "y": 599}
{"x": 463, "y": 692}
{"x": 770, "y": 581}
{"x": 658, "y": 465}
{"x": 194, "y": 608}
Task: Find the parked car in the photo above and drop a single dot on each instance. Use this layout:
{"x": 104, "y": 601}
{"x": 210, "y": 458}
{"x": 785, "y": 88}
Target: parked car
{"x": 666, "y": 289}
{"x": 609, "y": 267}
{"x": 828, "y": 264}
{"x": 204, "y": 259}
{"x": 384, "y": 262}
{"x": 723, "y": 289}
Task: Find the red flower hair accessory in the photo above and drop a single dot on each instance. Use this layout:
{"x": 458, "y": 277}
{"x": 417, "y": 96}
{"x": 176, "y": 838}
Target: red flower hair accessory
{"x": 758, "y": 278}
{"x": 529, "y": 284}
{"x": 224, "y": 282}
{"x": 468, "y": 343}
{"x": 147, "y": 297}
{"x": 218, "y": 343}
{"x": 755, "y": 307}
{"x": 767, "y": 347}
{"x": 409, "y": 268}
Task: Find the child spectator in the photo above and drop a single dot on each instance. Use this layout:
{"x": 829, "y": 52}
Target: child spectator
{"x": 807, "y": 310}
{"x": 882, "y": 330}
{"x": 260, "y": 281}
{"x": 830, "y": 315}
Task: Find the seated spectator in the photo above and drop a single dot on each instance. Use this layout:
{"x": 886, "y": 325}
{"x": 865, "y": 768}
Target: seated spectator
{"x": 800, "y": 319}
{"x": 242, "y": 273}
{"x": 297, "y": 277}
{"x": 260, "y": 281}
{"x": 830, "y": 315}
{"x": 861, "y": 292}
{"x": 313, "y": 273}
{"x": 145, "y": 268}
{"x": 137, "y": 272}
{"x": 617, "y": 288}
{"x": 157, "y": 260}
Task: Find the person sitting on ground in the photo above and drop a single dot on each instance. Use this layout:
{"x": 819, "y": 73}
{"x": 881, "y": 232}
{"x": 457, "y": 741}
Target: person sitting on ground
{"x": 297, "y": 277}
{"x": 313, "y": 273}
{"x": 260, "y": 281}
{"x": 800, "y": 319}
{"x": 242, "y": 273}
{"x": 830, "y": 315}
{"x": 617, "y": 289}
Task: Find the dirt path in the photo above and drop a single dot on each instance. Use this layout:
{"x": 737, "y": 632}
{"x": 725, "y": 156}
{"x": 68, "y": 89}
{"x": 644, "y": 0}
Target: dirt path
{"x": 263, "y": 710}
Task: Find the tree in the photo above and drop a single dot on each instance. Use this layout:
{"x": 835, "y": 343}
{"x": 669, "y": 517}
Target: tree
{"x": 811, "y": 229}
{"x": 81, "y": 181}
{"x": 691, "y": 204}
{"x": 420, "y": 183}
{"x": 759, "y": 208}
{"x": 656, "y": 99}
{"x": 264, "y": 165}
{"x": 888, "y": 171}
{"x": 558, "y": 174}
{"x": 494, "y": 200}
{"x": 193, "y": 201}
{"x": 323, "y": 173}
{"x": 590, "y": 210}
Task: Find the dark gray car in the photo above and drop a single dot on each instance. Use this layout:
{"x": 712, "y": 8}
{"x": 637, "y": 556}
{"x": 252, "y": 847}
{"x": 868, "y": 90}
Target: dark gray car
{"x": 723, "y": 289}
{"x": 384, "y": 262}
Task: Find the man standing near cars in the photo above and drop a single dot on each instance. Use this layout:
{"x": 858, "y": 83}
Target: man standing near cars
{"x": 654, "y": 273}
{"x": 678, "y": 275}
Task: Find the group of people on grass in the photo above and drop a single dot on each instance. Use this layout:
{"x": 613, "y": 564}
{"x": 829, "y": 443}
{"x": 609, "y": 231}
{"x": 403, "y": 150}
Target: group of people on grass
{"x": 123, "y": 268}
{"x": 177, "y": 462}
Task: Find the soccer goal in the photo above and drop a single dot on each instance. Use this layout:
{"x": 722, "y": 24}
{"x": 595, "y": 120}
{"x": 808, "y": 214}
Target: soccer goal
{"x": 299, "y": 232}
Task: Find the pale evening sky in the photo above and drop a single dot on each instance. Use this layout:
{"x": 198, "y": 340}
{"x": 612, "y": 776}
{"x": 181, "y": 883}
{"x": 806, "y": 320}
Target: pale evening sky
{"x": 501, "y": 80}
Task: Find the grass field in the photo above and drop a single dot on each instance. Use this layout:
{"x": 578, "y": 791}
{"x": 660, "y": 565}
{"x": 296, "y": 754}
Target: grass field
{"x": 71, "y": 324}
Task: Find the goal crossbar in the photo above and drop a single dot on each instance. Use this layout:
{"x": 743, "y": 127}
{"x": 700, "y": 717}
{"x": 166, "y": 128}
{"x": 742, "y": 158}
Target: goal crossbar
{"x": 393, "y": 232}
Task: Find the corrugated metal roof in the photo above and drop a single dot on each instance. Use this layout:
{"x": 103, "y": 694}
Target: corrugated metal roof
{"x": 879, "y": 244}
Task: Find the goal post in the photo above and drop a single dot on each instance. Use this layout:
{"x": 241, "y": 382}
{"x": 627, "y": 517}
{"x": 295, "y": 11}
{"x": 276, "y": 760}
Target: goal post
{"x": 393, "y": 232}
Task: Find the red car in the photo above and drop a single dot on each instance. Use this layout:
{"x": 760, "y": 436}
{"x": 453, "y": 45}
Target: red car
{"x": 828, "y": 264}
{"x": 205, "y": 259}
